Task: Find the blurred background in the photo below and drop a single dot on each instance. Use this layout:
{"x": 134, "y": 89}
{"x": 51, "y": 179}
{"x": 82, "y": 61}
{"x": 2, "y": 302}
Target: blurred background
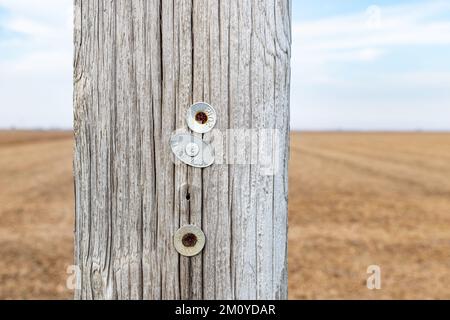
{"x": 370, "y": 149}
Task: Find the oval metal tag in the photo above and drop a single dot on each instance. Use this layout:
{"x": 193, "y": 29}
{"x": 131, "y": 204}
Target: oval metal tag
{"x": 192, "y": 150}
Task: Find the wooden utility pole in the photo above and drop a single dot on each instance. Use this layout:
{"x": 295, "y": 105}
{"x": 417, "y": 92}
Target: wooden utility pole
{"x": 139, "y": 65}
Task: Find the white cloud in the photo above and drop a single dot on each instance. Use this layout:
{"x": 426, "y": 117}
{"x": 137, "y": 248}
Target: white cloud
{"x": 27, "y": 27}
{"x": 36, "y": 77}
{"x": 351, "y": 37}
{"x": 44, "y": 10}
{"x": 35, "y": 63}
{"x": 333, "y": 75}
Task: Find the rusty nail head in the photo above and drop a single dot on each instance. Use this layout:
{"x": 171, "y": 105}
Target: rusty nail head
{"x": 201, "y": 117}
{"x": 189, "y": 240}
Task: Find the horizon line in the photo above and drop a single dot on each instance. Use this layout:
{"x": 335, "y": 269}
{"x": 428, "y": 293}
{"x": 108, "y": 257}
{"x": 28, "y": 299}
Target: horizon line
{"x": 387, "y": 130}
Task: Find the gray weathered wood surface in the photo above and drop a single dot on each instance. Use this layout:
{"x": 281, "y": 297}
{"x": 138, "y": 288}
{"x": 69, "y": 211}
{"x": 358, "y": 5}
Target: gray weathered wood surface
{"x": 139, "y": 64}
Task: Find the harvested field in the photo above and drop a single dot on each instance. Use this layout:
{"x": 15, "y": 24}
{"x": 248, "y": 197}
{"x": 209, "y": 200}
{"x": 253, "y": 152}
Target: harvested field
{"x": 36, "y": 214}
{"x": 369, "y": 199}
{"x": 356, "y": 199}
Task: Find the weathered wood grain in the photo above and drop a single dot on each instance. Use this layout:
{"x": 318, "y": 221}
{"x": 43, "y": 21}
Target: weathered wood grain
{"x": 138, "y": 66}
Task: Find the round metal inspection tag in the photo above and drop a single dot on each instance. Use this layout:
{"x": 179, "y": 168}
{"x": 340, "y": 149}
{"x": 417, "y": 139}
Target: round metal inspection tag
{"x": 201, "y": 117}
{"x": 189, "y": 241}
{"x": 192, "y": 150}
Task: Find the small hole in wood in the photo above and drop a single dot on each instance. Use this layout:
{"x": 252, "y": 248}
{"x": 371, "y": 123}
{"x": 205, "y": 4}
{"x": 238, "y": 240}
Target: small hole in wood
{"x": 188, "y": 196}
{"x": 201, "y": 117}
{"x": 189, "y": 240}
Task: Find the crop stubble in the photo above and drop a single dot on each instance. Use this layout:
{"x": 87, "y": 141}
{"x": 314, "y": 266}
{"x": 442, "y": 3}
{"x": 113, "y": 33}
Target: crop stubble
{"x": 356, "y": 199}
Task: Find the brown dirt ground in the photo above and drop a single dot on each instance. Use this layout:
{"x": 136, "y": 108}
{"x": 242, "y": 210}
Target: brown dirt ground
{"x": 36, "y": 214}
{"x": 369, "y": 199}
{"x": 355, "y": 200}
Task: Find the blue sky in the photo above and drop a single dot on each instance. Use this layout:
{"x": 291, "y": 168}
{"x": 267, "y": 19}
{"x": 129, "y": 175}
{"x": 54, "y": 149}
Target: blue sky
{"x": 363, "y": 65}
{"x": 356, "y": 64}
